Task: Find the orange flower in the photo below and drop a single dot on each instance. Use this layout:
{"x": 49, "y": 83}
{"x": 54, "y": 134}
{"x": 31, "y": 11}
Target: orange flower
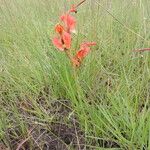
{"x": 66, "y": 40}
{"x": 69, "y": 22}
{"x": 63, "y": 42}
{"x": 82, "y": 53}
{"x": 84, "y": 50}
{"x": 58, "y": 43}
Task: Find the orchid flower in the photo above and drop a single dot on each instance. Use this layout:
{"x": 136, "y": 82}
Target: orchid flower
{"x": 64, "y": 38}
{"x": 69, "y": 22}
{"x": 63, "y": 42}
{"x": 82, "y": 53}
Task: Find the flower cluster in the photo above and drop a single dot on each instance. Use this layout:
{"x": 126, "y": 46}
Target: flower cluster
{"x": 63, "y": 41}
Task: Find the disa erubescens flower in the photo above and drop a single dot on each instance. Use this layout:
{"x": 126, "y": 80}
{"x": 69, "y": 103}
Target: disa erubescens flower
{"x": 63, "y": 40}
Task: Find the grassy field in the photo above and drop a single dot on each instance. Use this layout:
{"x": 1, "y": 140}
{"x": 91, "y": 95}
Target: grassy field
{"x": 109, "y": 95}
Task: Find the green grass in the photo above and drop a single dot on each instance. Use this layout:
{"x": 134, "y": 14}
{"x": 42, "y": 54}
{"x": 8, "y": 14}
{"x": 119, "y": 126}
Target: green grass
{"x": 110, "y": 92}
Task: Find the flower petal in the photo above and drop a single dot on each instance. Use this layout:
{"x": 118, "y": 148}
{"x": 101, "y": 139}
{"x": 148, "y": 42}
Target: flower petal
{"x": 85, "y": 44}
{"x": 82, "y": 53}
{"x": 69, "y": 21}
{"x": 59, "y": 28}
{"x": 66, "y": 39}
{"x": 84, "y": 50}
{"x": 58, "y": 44}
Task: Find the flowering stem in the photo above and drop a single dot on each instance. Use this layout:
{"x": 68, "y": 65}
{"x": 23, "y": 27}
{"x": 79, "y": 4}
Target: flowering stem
{"x": 142, "y": 50}
{"x": 74, "y": 71}
{"x": 80, "y": 3}
{"x": 68, "y": 54}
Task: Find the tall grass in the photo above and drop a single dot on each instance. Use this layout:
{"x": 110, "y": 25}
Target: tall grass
{"x": 110, "y": 92}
